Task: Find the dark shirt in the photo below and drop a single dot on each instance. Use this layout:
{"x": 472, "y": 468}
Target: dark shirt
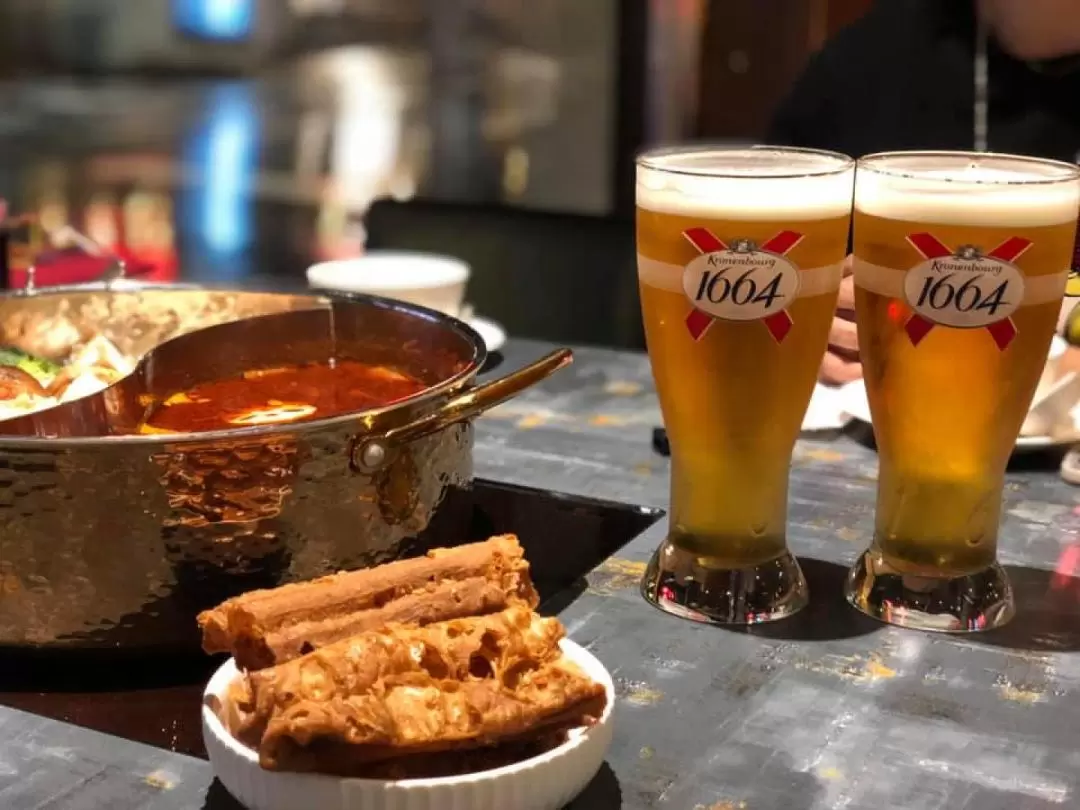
{"x": 903, "y": 77}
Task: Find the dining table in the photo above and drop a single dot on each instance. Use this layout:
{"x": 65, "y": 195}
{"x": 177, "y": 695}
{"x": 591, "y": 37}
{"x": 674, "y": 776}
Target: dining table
{"x": 827, "y": 709}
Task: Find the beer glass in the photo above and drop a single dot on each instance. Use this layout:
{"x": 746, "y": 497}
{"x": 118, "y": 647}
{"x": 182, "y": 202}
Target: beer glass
{"x": 740, "y": 254}
{"x": 960, "y": 267}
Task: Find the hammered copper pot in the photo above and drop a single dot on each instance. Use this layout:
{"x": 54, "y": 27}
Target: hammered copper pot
{"x": 118, "y": 540}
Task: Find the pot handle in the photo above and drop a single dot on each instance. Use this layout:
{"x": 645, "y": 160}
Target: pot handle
{"x": 371, "y": 454}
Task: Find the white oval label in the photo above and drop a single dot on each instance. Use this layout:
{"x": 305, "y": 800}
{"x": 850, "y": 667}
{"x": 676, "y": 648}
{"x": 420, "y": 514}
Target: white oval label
{"x": 965, "y": 291}
{"x": 741, "y": 284}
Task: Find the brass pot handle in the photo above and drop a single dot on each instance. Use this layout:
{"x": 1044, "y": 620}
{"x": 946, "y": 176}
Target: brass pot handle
{"x": 369, "y": 455}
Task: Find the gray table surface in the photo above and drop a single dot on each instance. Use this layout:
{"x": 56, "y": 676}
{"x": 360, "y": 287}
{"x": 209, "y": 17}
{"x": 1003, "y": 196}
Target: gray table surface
{"x": 826, "y": 710}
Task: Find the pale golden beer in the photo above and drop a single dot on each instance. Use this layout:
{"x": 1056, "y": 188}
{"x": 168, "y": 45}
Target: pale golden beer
{"x": 740, "y": 257}
{"x": 960, "y": 267}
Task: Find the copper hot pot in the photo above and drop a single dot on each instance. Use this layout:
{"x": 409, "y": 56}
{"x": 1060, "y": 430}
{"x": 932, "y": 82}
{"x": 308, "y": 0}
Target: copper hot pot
{"x": 110, "y": 541}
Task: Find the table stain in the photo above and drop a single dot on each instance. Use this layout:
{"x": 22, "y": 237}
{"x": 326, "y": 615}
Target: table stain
{"x": 607, "y": 420}
{"x": 637, "y": 693}
{"x": 722, "y": 805}
{"x": 530, "y": 421}
{"x": 623, "y": 388}
{"x": 850, "y": 535}
{"x": 1025, "y": 693}
{"x": 527, "y": 415}
{"x": 930, "y": 708}
{"x": 160, "y": 780}
{"x": 746, "y": 681}
{"x": 820, "y": 454}
{"x": 615, "y": 574}
{"x": 876, "y": 670}
{"x": 855, "y": 668}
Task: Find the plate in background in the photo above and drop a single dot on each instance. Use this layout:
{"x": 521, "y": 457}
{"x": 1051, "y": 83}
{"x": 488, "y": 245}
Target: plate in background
{"x": 494, "y": 335}
{"x": 854, "y": 403}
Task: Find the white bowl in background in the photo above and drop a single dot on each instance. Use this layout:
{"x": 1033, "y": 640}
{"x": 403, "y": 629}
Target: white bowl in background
{"x": 426, "y": 279}
{"x": 545, "y": 782}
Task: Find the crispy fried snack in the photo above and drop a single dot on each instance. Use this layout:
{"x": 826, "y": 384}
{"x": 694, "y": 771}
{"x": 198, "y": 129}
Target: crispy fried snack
{"x": 268, "y": 627}
{"x": 406, "y": 691}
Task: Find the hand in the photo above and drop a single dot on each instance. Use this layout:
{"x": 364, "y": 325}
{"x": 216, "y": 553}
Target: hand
{"x": 841, "y": 362}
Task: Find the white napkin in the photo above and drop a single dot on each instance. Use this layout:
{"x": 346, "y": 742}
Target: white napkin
{"x": 826, "y": 410}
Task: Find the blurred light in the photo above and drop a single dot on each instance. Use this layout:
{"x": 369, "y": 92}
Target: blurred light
{"x": 1067, "y": 568}
{"x": 402, "y": 187}
{"x": 515, "y": 171}
{"x": 53, "y": 215}
{"x": 148, "y": 222}
{"x": 223, "y": 154}
{"x": 222, "y": 217}
{"x": 214, "y": 19}
{"x": 102, "y": 222}
{"x": 367, "y": 134}
{"x": 305, "y": 7}
{"x": 149, "y": 234}
{"x": 52, "y": 204}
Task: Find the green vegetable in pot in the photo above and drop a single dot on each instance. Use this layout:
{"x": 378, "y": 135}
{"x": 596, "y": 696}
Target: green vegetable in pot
{"x": 37, "y": 367}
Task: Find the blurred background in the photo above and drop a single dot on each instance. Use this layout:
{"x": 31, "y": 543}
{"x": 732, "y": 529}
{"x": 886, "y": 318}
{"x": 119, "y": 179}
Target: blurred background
{"x": 238, "y": 141}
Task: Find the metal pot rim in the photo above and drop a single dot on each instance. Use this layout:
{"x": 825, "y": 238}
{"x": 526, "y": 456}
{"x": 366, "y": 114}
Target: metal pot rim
{"x": 365, "y": 419}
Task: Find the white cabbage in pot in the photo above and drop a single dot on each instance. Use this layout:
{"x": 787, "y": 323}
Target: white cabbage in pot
{"x": 29, "y": 383}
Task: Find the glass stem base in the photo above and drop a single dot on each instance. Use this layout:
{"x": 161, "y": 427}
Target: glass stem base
{"x": 946, "y": 604}
{"x": 680, "y": 582}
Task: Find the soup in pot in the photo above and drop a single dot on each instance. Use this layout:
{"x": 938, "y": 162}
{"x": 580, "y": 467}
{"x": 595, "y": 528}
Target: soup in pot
{"x": 279, "y": 396}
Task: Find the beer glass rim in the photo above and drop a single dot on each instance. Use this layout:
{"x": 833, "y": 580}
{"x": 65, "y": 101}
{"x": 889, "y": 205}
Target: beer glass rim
{"x": 879, "y": 163}
{"x": 655, "y": 159}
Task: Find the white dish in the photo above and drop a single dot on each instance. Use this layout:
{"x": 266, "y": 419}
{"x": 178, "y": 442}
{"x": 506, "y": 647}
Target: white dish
{"x": 426, "y": 279}
{"x": 493, "y": 334}
{"x": 1070, "y": 467}
{"x": 1052, "y": 412}
{"x": 854, "y": 403}
{"x": 546, "y": 782}
{"x": 824, "y": 411}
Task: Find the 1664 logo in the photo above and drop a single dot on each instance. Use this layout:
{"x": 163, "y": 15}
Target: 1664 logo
{"x": 740, "y": 282}
{"x": 964, "y": 288}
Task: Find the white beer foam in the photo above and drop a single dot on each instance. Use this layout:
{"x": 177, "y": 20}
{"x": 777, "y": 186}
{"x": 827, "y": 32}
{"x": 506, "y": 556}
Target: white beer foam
{"x": 987, "y": 191}
{"x": 746, "y": 184}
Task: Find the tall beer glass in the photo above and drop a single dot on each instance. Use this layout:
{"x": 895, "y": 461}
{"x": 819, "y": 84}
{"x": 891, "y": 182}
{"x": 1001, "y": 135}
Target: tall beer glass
{"x": 740, "y": 257}
{"x": 960, "y": 267}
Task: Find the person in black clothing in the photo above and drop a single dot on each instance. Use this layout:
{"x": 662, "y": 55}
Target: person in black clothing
{"x": 985, "y": 75}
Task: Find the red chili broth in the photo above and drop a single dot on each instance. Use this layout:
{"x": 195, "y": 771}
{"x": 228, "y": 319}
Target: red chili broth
{"x": 281, "y": 396}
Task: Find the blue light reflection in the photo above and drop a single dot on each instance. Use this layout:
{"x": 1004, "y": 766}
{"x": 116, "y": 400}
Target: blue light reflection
{"x": 222, "y": 156}
{"x": 215, "y": 19}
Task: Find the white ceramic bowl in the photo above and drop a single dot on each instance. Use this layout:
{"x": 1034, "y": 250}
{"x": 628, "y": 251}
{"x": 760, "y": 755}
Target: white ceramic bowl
{"x": 546, "y": 782}
{"x": 427, "y": 279}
